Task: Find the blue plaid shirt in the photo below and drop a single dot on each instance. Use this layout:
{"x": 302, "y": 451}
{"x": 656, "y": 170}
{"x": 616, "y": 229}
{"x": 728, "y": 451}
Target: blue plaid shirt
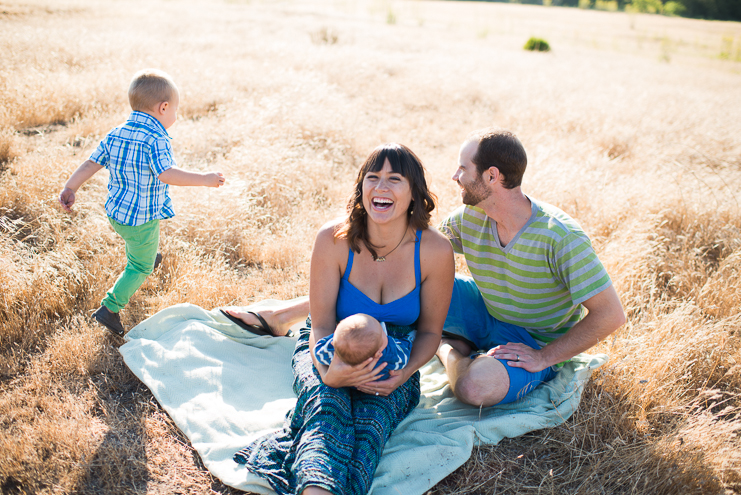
{"x": 135, "y": 154}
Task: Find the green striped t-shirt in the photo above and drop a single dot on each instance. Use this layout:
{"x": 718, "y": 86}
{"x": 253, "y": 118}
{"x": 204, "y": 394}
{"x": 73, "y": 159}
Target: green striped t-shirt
{"x": 539, "y": 280}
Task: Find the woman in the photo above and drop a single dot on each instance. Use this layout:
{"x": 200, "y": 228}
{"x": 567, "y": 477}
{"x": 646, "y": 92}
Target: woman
{"x": 382, "y": 260}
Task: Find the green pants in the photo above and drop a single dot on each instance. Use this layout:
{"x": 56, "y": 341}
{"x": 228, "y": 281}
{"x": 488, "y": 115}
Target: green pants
{"x": 141, "y": 250}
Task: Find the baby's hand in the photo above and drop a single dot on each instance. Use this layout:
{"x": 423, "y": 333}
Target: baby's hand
{"x": 67, "y": 198}
{"x": 215, "y": 179}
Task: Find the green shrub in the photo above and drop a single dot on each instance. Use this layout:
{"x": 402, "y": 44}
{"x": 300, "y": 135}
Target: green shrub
{"x": 608, "y": 5}
{"x": 647, "y": 6}
{"x": 390, "y": 17}
{"x": 537, "y": 44}
{"x": 726, "y": 47}
{"x": 674, "y": 8}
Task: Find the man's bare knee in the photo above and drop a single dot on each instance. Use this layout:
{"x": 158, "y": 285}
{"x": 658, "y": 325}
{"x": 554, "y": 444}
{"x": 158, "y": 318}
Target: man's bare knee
{"x": 485, "y": 383}
{"x": 469, "y": 392}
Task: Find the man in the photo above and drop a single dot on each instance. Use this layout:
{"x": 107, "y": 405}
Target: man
{"x": 534, "y": 274}
{"x": 534, "y": 271}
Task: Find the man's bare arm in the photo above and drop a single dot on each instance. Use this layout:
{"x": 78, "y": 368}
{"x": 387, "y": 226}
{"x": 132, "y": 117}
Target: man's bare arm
{"x": 605, "y": 316}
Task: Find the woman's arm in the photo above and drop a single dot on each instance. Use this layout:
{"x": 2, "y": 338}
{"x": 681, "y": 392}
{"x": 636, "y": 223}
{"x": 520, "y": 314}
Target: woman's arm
{"x": 327, "y": 260}
{"x": 324, "y": 284}
{"x": 438, "y": 273}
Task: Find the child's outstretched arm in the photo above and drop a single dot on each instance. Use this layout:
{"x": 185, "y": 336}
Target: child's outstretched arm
{"x": 178, "y": 177}
{"x": 78, "y": 178}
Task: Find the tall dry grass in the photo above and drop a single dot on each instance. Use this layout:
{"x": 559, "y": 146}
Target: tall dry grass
{"x": 631, "y": 125}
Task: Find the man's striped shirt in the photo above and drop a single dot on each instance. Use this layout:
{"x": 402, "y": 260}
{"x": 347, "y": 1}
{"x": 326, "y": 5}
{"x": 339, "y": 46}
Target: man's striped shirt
{"x": 135, "y": 154}
{"x": 539, "y": 280}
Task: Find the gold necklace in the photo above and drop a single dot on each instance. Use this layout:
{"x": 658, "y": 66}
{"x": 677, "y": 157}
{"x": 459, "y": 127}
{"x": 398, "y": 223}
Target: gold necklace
{"x": 381, "y": 259}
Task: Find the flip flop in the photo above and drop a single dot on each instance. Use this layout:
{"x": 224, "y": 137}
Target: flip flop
{"x": 262, "y": 329}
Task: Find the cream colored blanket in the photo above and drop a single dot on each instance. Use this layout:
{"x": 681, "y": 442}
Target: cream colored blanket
{"x": 224, "y": 386}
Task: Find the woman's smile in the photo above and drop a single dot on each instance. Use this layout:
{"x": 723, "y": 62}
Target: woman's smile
{"x": 382, "y": 204}
{"x": 384, "y": 190}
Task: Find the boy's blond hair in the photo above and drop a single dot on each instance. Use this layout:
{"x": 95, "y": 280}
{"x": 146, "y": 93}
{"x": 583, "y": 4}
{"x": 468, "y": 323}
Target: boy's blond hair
{"x": 149, "y": 88}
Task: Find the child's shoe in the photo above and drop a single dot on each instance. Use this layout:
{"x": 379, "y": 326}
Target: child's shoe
{"x": 110, "y": 320}
{"x": 157, "y": 261}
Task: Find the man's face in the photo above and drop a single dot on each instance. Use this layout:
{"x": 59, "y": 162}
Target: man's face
{"x": 473, "y": 188}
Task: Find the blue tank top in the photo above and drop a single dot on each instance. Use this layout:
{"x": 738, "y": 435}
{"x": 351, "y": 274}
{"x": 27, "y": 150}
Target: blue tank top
{"x": 403, "y": 311}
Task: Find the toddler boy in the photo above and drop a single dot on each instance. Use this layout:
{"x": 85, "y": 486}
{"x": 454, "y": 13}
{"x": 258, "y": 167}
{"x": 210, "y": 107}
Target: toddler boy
{"x": 138, "y": 156}
{"x": 359, "y": 337}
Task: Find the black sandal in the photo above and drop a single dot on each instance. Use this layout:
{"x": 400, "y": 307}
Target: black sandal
{"x": 262, "y": 329}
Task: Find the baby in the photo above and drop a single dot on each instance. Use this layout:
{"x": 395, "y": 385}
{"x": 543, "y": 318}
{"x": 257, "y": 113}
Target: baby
{"x": 359, "y": 337}
{"x": 138, "y": 156}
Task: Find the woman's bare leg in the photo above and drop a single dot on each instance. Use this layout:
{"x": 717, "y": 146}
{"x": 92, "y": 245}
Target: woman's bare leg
{"x": 280, "y": 318}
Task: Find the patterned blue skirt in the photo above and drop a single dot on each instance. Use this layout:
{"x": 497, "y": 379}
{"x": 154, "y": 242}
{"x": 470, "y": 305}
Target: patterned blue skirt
{"x": 333, "y": 438}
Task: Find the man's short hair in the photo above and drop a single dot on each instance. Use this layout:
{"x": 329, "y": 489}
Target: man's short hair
{"x": 149, "y": 88}
{"x": 501, "y": 149}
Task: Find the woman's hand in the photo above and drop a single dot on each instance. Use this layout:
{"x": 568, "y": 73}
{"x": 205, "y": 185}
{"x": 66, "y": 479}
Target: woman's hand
{"x": 340, "y": 374}
{"x": 386, "y": 387}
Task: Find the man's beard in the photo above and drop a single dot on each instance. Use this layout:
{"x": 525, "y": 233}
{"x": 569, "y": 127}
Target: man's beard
{"x": 475, "y": 192}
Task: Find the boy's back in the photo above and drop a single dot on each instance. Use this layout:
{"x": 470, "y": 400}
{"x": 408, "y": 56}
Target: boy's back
{"x": 135, "y": 154}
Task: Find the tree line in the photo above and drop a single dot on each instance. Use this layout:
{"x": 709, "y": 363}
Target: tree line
{"x": 722, "y": 10}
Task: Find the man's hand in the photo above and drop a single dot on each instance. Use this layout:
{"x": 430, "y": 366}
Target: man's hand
{"x": 520, "y": 356}
{"x": 605, "y": 315}
{"x": 67, "y": 198}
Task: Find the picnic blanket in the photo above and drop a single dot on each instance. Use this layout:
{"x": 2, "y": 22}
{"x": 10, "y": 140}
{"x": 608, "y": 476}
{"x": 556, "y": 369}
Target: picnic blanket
{"x": 224, "y": 387}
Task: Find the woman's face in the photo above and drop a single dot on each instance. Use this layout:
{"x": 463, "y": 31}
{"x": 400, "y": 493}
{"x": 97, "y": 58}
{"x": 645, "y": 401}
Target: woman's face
{"x": 386, "y": 194}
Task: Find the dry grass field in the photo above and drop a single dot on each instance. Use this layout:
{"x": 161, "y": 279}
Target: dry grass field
{"x": 632, "y": 125}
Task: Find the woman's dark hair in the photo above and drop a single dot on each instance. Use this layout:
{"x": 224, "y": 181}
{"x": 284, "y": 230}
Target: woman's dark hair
{"x": 403, "y": 161}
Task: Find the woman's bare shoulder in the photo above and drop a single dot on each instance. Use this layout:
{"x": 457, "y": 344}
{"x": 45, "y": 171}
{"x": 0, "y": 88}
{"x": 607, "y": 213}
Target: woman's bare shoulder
{"x": 437, "y": 260}
{"x": 436, "y": 254}
{"x": 435, "y": 243}
{"x": 326, "y": 235}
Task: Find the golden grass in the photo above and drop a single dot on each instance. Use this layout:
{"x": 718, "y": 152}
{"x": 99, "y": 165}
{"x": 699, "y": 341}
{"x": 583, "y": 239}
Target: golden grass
{"x": 631, "y": 125}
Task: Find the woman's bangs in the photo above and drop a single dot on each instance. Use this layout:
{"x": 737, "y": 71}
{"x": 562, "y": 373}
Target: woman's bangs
{"x": 374, "y": 162}
{"x": 400, "y": 162}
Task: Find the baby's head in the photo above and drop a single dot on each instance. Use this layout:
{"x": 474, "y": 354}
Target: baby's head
{"x": 154, "y": 92}
{"x": 358, "y": 337}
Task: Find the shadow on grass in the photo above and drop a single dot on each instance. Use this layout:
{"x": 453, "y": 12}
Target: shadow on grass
{"x": 119, "y": 464}
{"x": 597, "y": 450}
{"x": 143, "y": 451}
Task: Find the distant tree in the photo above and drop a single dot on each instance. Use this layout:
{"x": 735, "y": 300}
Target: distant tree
{"x": 724, "y": 10}
{"x": 649, "y": 6}
{"x": 674, "y": 8}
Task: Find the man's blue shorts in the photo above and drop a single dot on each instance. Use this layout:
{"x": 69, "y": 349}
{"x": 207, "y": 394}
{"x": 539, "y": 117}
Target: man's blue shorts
{"x": 468, "y": 318}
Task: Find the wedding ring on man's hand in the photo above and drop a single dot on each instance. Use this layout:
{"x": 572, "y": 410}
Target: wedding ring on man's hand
{"x": 518, "y": 357}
